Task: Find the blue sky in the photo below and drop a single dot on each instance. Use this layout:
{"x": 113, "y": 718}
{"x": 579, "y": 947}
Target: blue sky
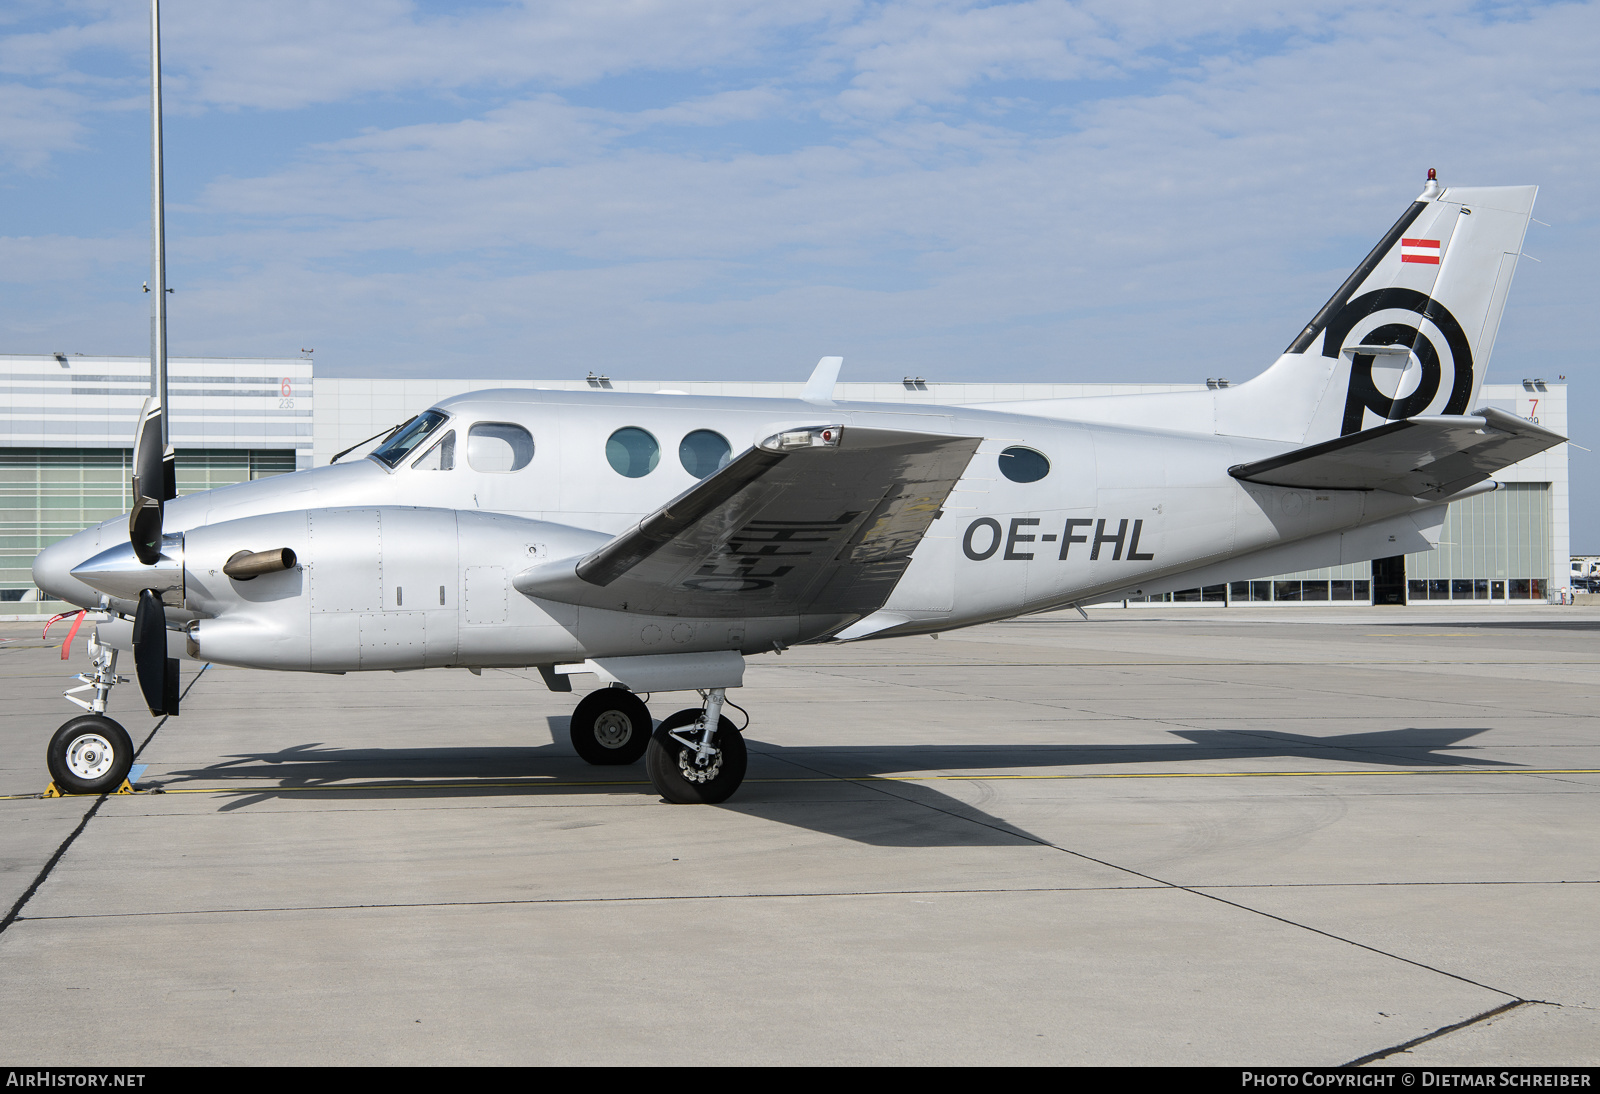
{"x": 722, "y": 188}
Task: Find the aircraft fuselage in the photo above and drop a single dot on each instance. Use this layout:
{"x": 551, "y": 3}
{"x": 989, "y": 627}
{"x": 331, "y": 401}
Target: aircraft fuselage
{"x": 409, "y": 566}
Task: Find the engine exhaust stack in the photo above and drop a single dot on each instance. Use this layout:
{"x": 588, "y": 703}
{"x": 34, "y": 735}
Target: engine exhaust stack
{"x": 249, "y": 565}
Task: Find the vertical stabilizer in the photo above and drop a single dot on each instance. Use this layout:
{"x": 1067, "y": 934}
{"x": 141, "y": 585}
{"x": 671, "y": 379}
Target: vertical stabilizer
{"x": 1408, "y": 333}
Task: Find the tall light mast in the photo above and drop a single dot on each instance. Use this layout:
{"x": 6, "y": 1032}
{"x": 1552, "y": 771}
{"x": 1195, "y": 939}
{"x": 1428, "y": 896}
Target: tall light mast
{"x": 154, "y": 472}
{"x": 158, "y": 238}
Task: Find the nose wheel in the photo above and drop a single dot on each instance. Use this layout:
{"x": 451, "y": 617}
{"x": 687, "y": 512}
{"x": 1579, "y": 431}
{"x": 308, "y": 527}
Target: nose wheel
{"x": 90, "y": 754}
{"x": 611, "y": 726}
{"x": 685, "y": 767}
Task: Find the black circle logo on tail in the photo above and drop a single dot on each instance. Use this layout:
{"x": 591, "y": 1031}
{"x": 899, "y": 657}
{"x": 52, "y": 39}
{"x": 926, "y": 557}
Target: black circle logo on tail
{"x": 1364, "y": 394}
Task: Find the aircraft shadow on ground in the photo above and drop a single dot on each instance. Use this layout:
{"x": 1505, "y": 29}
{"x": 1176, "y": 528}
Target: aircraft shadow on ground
{"x": 830, "y": 789}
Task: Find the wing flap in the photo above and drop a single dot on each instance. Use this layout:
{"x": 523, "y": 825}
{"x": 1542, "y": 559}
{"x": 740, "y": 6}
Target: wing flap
{"x": 819, "y": 527}
{"x": 1419, "y": 457}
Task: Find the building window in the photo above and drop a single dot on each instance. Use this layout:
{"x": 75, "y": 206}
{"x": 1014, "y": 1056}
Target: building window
{"x": 1243, "y": 592}
{"x": 1527, "y": 588}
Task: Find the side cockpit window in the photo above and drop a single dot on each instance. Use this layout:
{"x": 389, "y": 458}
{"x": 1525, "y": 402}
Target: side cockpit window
{"x": 499, "y": 447}
{"x": 409, "y": 437}
{"x": 441, "y": 457}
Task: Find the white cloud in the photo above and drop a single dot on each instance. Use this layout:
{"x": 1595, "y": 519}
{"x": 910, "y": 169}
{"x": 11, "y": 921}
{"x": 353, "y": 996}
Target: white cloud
{"x": 915, "y": 54}
{"x": 1183, "y": 226}
{"x": 35, "y": 124}
{"x": 288, "y": 54}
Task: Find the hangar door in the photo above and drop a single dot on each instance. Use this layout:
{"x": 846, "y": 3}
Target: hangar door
{"x": 1494, "y": 546}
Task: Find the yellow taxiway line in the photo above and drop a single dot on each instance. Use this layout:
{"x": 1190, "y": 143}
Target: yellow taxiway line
{"x": 581, "y": 784}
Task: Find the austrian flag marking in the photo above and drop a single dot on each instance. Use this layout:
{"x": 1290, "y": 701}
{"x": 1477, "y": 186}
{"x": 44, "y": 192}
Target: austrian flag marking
{"x": 1420, "y": 250}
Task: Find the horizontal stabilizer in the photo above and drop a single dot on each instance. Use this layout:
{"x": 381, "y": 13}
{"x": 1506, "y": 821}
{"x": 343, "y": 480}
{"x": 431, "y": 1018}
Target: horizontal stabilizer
{"x": 815, "y": 520}
{"x": 1419, "y": 457}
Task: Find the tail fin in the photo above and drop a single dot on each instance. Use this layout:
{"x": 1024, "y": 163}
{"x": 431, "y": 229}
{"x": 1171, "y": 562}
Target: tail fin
{"x": 1408, "y": 333}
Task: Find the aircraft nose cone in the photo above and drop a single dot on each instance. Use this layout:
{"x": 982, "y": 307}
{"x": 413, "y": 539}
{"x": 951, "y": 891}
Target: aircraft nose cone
{"x": 52, "y": 569}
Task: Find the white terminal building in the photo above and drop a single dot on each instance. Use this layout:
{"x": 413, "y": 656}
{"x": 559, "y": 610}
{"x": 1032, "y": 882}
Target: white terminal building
{"x": 67, "y": 424}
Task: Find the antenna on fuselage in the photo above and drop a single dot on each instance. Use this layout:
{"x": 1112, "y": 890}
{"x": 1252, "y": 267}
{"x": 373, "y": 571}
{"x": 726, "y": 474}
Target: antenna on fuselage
{"x": 819, "y": 389}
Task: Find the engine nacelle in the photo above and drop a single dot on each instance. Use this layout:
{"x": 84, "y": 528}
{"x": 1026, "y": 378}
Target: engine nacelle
{"x": 335, "y": 590}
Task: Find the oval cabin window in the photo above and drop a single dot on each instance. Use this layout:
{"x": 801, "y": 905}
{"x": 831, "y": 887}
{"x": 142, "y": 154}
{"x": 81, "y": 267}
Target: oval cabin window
{"x": 1023, "y": 465}
{"x": 632, "y": 452}
{"x": 703, "y": 452}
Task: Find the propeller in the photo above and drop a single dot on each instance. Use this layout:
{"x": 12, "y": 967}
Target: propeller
{"x": 154, "y": 483}
{"x": 157, "y": 673}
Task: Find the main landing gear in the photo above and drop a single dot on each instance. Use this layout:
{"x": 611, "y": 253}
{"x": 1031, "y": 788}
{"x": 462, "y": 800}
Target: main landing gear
{"x": 611, "y": 726}
{"x": 688, "y": 762}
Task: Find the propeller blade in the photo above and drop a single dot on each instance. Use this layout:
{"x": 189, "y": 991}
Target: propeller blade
{"x": 157, "y": 673}
{"x": 149, "y": 485}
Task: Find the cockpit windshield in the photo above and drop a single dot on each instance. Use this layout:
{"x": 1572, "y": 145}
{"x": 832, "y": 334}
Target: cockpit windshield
{"x": 392, "y": 451}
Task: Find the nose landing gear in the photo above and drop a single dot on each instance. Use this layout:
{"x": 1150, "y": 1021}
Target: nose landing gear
{"x": 90, "y": 754}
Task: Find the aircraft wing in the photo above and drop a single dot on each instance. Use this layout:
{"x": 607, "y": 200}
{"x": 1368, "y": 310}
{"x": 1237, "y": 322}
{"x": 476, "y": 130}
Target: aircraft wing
{"x": 821, "y": 519}
{"x": 1420, "y": 457}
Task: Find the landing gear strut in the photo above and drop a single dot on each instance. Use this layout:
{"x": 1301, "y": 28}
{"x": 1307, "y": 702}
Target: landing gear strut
{"x": 689, "y": 763}
{"x": 100, "y": 681}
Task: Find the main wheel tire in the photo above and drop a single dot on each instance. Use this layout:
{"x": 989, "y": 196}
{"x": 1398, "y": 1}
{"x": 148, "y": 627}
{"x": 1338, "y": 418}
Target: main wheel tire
{"x": 675, "y": 774}
{"x": 90, "y": 754}
{"x": 611, "y": 726}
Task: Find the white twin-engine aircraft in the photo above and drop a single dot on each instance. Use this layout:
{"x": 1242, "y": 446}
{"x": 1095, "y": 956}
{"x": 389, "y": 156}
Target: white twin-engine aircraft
{"x": 656, "y": 541}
